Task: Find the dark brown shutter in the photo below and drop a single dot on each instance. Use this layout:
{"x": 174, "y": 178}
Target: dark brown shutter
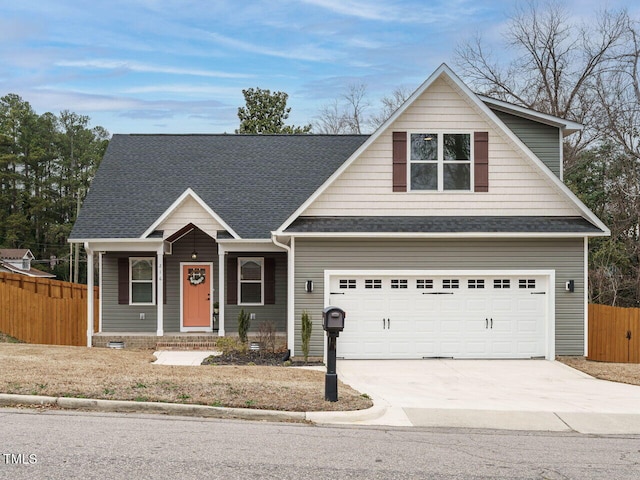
{"x": 123, "y": 281}
{"x": 481, "y": 161}
{"x": 232, "y": 281}
{"x": 269, "y": 281}
{"x": 399, "y": 161}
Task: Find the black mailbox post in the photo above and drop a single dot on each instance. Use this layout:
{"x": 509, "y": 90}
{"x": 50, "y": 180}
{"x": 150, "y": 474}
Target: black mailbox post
{"x": 333, "y": 324}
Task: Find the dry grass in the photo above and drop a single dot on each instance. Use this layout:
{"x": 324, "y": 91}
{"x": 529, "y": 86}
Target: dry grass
{"x": 615, "y": 372}
{"x": 129, "y": 375}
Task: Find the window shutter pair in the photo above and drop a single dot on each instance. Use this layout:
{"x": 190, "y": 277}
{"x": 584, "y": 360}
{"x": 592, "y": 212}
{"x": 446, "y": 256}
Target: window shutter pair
{"x": 123, "y": 282}
{"x": 480, "y": 161}
{"x": 269, "y": 281}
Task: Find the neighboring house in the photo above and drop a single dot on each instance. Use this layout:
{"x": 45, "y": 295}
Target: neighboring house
{"x": 446, "y": 233}
{"x": 18, "y": 260}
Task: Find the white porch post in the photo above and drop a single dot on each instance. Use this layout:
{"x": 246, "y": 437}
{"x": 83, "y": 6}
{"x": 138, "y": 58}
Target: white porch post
{"x": 100, "y": 294}
{"x": 221, "y": 290}
{"x": 89, "y": 294}
{"x": 160, "y": 293}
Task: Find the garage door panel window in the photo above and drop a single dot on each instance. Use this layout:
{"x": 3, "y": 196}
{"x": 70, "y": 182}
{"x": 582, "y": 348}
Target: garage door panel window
{"x": 475, "y": 284}
{"x": 373, "y": 283}
{"x": 399, "y": 283}
{"x": 450, "y": 283}
{"x": 501, "y": 283}
{"x": 527, "y": 283}
{"x": 424, "y": 283}
{"x": 347, "y": 283}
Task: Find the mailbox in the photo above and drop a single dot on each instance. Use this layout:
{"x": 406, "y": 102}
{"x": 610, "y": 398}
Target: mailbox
{"x": 333, "y": 319}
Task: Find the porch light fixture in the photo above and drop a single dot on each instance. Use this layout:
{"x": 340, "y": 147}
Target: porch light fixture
{"x": 194, "y": 254}
{"x": 308, "y": 286}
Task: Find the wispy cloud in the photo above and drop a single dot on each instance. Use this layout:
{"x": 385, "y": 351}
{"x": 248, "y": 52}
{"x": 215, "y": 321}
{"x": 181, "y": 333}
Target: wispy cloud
{"x": 146, "y": 68}
{"x": 398, "y": 12}
{"x": 364, "y": 10}
{"x": 307, "y": 52}
{"x": 184, "y": 89}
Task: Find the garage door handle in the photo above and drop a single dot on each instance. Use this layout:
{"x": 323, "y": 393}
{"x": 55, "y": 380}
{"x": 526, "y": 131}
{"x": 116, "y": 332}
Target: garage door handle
{"x": 538, "y": 293}
{"x": 384, "y": 320}
{"x": 486, "y": 323}
{"x": 492, "y": 323}
{"x": 437, "y": 293}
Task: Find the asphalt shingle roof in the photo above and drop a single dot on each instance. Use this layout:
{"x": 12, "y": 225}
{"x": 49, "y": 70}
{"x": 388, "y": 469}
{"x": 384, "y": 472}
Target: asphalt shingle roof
{"x": 254, "y": 182}
{"x": 444, "y": 224}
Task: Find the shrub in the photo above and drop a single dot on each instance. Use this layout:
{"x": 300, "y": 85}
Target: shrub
{"x": 267, "y": 336}
{"x": 229, "y": 345}
{"x": 307, "y": 326}
{"x": 244, "y": 322}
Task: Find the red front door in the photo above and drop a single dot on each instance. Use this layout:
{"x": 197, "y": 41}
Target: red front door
{"x": 196, "y": 296}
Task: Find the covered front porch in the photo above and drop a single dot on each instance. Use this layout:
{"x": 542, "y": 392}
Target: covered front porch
{"x": 186, "y": 289}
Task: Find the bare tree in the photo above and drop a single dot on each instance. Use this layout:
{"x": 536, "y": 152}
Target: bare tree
{"x": 555, "y": 63}
{"x": 331, "y": 119}
{"x": 345, "y": 115}
{"x": 389, "y": 105}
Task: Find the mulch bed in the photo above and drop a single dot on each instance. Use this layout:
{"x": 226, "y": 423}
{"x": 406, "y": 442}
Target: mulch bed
{"x": 252, "y": 357}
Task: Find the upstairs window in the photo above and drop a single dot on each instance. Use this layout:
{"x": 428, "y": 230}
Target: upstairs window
{"x": 440, "y": 161}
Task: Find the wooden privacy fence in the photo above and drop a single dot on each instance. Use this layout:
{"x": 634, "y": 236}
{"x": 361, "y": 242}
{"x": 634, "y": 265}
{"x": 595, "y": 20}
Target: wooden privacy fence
{"x": 45, "y": 311}
{"x": 614, "y": 334}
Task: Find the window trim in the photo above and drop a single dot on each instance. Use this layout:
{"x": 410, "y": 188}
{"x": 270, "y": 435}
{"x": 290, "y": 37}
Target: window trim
{"x": 152, "y": 281}
{"x": 259, "y": 260}
{"x": 440, "y": 162}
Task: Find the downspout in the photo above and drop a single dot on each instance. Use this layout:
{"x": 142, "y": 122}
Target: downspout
{"x": 290, "y": 292}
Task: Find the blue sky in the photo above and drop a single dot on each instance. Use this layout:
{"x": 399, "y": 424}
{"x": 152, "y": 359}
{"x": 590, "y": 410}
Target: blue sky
{"x": 171, "y": 66}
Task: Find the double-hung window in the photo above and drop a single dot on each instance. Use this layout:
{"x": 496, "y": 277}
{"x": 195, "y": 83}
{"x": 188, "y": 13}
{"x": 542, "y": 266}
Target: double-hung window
{"x": 440, "y": 161}
{"x": 251, "y": 281}
{"x": 142, "y": 273}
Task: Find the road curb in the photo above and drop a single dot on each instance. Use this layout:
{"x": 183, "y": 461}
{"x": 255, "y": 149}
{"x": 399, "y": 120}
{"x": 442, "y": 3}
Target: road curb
{"x": 127, "y": 406}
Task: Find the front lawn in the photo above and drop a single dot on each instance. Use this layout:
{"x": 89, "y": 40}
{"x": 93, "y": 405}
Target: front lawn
{"x": 129, "y": 375}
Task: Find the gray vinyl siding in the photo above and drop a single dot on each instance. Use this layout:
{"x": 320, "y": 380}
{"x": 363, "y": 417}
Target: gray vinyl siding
{"x": 123, "y": 318}
{"x": 565, "y": 256}
{"x": 276, "y": 313}
{"x": 543, "y": 140}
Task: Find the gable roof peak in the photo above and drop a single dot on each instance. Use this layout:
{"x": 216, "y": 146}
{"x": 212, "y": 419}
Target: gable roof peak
{"x": 188, "y": 193}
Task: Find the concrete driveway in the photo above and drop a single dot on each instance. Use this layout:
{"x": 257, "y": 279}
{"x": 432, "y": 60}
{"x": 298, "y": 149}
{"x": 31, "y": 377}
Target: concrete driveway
{"x": 511, "y": 394}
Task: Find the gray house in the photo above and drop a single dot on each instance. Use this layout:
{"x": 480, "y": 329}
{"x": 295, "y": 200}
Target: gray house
{"x": 446, "y": 233}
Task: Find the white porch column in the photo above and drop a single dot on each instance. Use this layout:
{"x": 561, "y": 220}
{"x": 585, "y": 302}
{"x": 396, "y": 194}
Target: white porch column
{"x": 221, "y": 290}
{"x": 100, "y": 294}
{"x": 160, "y": 293}
{"x": 89, "y": 294}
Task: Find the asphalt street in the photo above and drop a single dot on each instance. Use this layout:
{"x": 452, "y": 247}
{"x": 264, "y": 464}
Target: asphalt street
{"x": 57, "y": 444}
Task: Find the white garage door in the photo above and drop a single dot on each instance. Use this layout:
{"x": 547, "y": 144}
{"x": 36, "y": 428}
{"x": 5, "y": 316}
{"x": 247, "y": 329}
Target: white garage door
{"x": 459, "y": 316}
